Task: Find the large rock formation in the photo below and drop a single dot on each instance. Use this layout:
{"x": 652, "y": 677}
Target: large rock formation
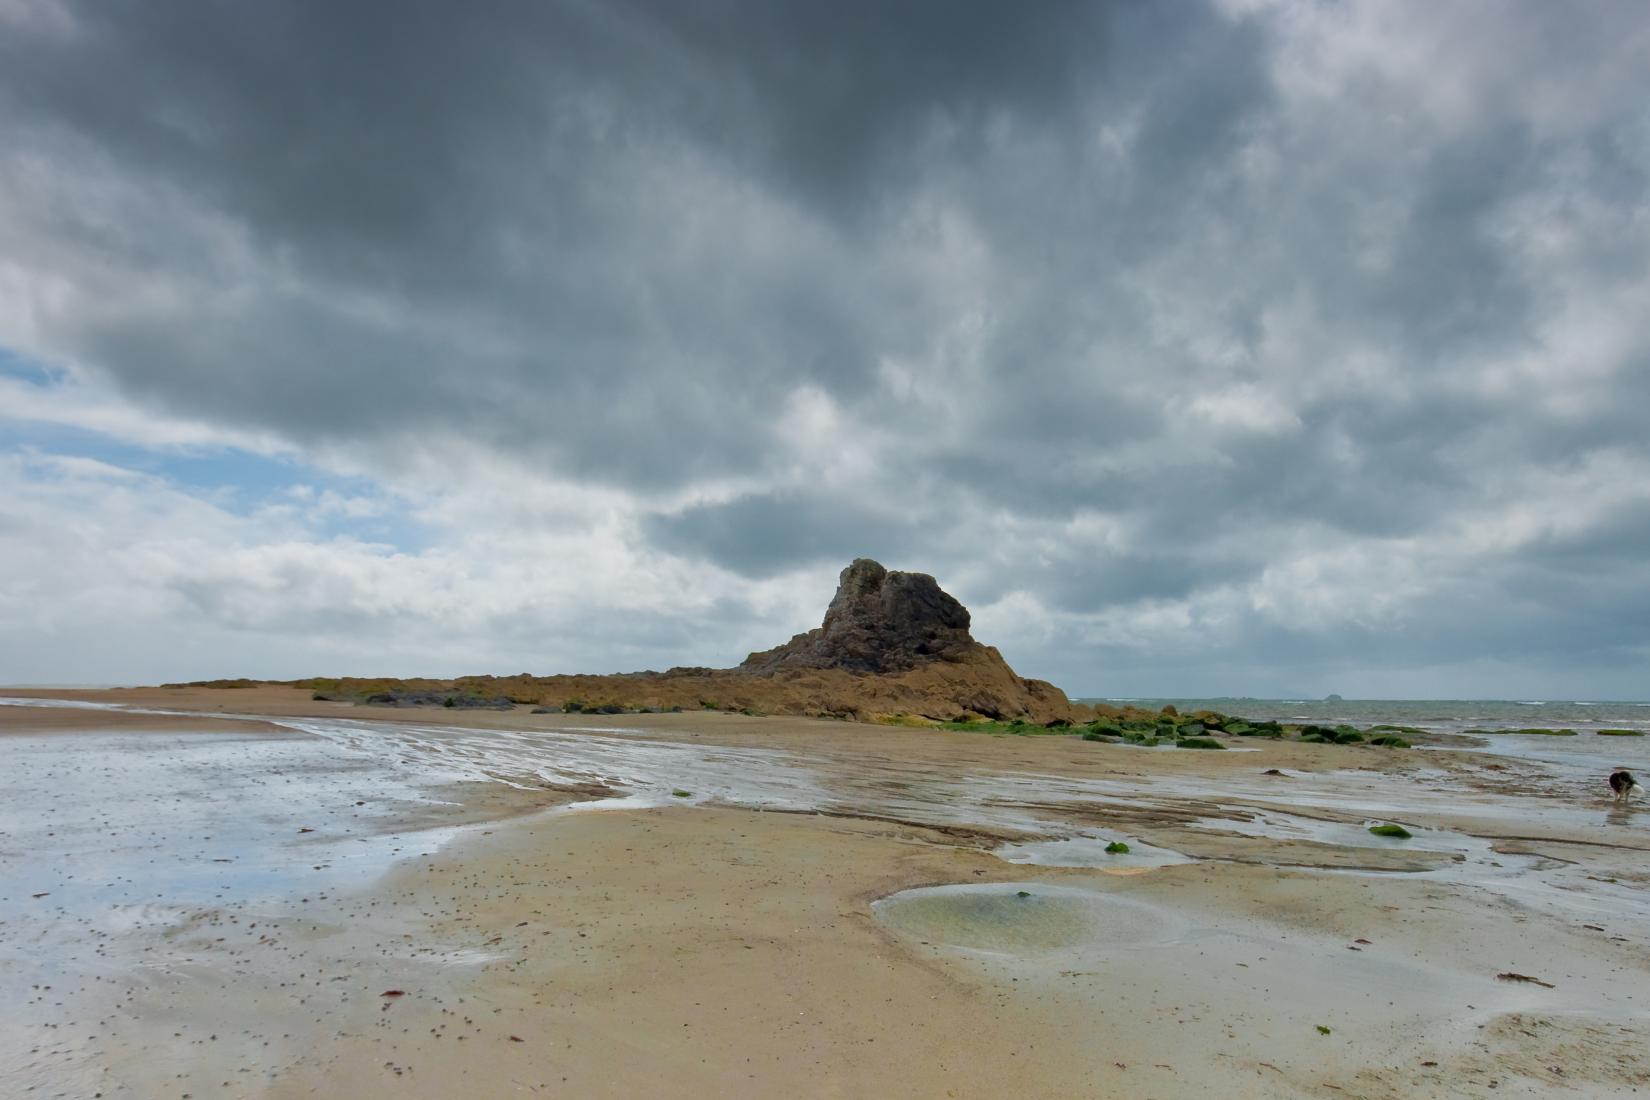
{"x": 878, "y": 622}
{"x": 904, "y": 645}
{"x": 893, "y": 645}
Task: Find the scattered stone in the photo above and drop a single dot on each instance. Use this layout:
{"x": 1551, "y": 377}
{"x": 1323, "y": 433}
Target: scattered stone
{"x": 450, "y": 700}
{"x": 1509, "y": 976}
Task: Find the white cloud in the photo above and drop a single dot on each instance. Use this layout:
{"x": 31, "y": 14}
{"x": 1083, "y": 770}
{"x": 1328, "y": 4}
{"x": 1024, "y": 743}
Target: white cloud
{"x": 71, "y": 401}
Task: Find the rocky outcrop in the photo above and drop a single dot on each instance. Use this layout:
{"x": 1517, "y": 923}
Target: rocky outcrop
{"x": 878, "y": 622}
{"x": 905, "y": 643}
{"x": 892, "y": 645}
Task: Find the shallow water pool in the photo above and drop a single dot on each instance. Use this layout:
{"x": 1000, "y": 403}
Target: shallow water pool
{"x": 1020, "y": 918}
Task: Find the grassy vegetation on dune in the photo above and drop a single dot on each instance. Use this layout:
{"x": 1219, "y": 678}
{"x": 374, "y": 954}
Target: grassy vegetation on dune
{"x": 239, "y": 682}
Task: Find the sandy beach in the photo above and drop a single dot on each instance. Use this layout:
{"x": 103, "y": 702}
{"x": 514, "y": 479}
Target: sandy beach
{"x": 251, "y": 893}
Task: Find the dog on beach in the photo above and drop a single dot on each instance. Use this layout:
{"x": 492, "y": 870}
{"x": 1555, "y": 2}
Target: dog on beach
{"x": 1623, "y": 784}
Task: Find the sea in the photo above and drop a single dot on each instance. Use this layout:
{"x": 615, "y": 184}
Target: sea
{"x": 1437, "y": 715}
{"x": 1482, "y": 725}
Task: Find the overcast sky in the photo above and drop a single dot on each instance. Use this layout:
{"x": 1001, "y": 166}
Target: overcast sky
{"x": 1244, "y": 348}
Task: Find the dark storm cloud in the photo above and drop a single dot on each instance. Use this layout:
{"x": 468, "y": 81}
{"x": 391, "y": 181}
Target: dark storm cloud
{"x": 1224, "y": 287}
{"x": 524, "y": 186}
{"x": 766, "y": 534}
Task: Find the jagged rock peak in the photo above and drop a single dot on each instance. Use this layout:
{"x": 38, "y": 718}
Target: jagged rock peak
{"x": 879, "y": 621}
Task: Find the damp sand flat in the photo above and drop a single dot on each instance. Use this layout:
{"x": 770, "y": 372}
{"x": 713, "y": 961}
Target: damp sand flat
{"x": 707, "y": 944}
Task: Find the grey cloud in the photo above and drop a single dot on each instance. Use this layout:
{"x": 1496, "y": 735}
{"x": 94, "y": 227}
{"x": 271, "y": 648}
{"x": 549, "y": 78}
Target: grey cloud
{"x": 611, "y": 242}
{"x": 763, "y": 535}
{"x": 1618, "y": 539}
{"x": 1083, "y": 580}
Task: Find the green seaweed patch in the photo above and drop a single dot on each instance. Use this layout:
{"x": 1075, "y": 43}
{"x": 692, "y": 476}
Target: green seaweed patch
{"x": 1620, "y": 733}
{"x": 1337, "y": 735}
{"x": 1331, "y": 735}
{"x": 1389, "y": 741}
{"x": 1117, "y": 848}
{"x": 1391, "y": 830}
{"x": 1413, "y": 731}
{"x": 1544, "y": 732}
{"x": 679, "y": 793}
{"x": 1018, "y": 727}
{"x": 1323, "y": 1030}
{"x": 1022, "y": 893}
{"x": 1198, "y": 743}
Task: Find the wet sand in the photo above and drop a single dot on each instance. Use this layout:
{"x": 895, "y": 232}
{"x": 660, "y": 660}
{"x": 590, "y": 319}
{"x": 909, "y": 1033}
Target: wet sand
{"x": 706, "y": 904}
